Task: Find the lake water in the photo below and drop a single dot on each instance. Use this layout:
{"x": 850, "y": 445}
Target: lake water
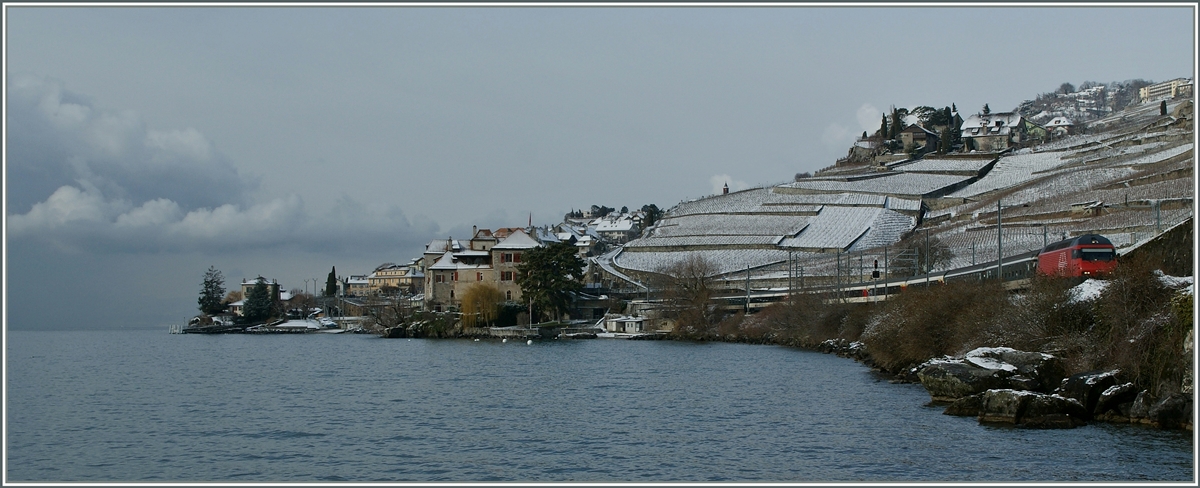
{"x": 147, "y": 406}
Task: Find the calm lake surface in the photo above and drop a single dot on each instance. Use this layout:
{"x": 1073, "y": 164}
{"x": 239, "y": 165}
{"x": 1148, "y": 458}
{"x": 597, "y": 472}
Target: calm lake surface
{"x": 125, "y": 406}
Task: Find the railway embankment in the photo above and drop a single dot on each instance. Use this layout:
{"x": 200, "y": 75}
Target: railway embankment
{"x": 1057, "y": 355}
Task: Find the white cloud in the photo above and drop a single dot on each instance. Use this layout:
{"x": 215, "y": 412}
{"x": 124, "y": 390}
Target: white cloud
{"x": 869, "y": 117}
{"x": 152, "y": 213}
{"x": 66, "y": 206}
{"x": 719, "y": 182}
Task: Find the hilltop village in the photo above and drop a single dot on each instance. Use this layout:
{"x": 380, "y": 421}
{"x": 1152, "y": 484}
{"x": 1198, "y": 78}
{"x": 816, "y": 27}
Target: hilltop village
{"x": 929, "y": 191}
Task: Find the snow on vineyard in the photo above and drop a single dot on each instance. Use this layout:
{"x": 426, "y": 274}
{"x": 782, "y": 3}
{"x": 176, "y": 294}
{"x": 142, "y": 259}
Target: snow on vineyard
{"x": 915, "y": 184}
{"x": 729, "y": 225}
{"x": 1011, "y": 171}
{"x": 1129, "y": 178}
{"x": 944, "y": 165}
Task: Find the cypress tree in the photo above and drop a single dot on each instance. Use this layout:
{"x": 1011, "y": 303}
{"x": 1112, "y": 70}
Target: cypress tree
{"x": 331, "y": 282}
{"x": 883, "y": 128}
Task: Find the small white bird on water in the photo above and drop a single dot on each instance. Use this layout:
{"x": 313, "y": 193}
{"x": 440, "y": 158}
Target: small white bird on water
{"x": 529, "y": 342}
{"x": 503, "y": 340}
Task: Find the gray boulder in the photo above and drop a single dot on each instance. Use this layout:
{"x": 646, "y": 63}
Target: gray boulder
{"x": 1113, "y": 397}
{"x": 1172, "y": 412}
{"x": 1031, "y": 409}
{"x": 1053, "y": 412}
{"x": 1139, "y": 410}
{"x": 1035, "y": 371}
{"x": 1004, "y": 406}
{"x": 1087, "y": 387}
{"x": 950, "y": 380}
{"x": 989, "y": 368}
{"x": 968, "y": 406}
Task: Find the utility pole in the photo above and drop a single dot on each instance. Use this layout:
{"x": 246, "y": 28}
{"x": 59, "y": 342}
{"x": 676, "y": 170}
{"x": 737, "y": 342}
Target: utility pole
{"x": 747, "y": 288}
{"x": 999, "y": 245}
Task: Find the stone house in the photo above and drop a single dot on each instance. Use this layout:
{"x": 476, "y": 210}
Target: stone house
{"x": 917, "y": 136}
{"x": 996, "y": 132}
{"x": 486, "y": 258}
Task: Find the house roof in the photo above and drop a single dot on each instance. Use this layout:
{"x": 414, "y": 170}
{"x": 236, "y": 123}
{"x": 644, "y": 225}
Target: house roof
{"x": 614, "y": 225}
{"x": 1059, "y": 122}
{"x": 439, "y": 246}
{"x": 917, "y": 128}
{"x": 518, "y": 239}
{"x": 1006, "y": 120}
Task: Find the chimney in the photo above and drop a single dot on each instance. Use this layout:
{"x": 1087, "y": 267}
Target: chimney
{"x": 725, "y": 191}
{"x": 474, "y": 231}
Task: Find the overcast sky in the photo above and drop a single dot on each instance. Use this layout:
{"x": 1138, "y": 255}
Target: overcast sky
{"x": 145, "y": 144}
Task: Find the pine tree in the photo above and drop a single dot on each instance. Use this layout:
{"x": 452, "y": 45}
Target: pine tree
{"x": 550, "y": 275}
{"x": 212, "y": 292}
{"x": 258, "y": 302}
{"x": 331, "y": 282}
{"x": 986, "y": 110}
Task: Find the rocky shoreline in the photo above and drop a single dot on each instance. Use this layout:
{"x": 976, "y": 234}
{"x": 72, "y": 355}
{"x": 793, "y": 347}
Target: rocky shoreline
{"x": 1031, "y": 389}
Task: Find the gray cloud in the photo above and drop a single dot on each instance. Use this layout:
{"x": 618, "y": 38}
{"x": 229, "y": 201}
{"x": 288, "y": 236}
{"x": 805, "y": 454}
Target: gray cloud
{"x": 61, "y": 138}
{"x": 98, "y": 180}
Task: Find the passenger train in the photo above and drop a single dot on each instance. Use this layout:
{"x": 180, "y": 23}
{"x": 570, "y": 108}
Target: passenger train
{"x": 1086, "y": 256}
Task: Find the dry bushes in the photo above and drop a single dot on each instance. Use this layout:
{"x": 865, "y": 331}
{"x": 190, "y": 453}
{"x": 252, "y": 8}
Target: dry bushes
{"x": 1139, "y": 330}
{"x": 924, "y": 323}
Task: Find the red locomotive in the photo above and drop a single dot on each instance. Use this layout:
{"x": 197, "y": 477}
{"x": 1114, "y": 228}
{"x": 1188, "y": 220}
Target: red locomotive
{"x": 1084, "y": 256}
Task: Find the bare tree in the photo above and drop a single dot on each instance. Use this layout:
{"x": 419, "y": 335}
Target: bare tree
{"x": 481, "y": 304}
{"x": 686, "y": 287}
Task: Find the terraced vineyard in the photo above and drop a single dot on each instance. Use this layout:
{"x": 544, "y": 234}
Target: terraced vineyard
{"x": 1131, "y": 175}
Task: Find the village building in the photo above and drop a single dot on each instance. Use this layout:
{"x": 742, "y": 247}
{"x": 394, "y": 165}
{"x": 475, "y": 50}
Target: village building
{"x": 1060, "y": 126}
{"x": 999, "y": 131}
{"x": 489, "y": 257}
{"x": 237, "y": 308}
{"x": 1179, "y": 87}
{"x": 915, "y": 136}
{"x": 391, "y": 279}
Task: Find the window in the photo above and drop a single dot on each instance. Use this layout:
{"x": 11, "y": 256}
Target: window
{"x": 506, "y": 257}
{"x": 451, "y": 293}
{"x": 517, "y": 257}
{"x": 508, "y": 295}
{"x": 506, "y": 276}
{"x": 440, "y": 278}
{"x": 478, "y": 276}
{"x": 454, "y": 277}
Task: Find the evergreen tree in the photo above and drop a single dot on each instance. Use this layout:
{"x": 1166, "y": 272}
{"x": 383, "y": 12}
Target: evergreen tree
{"x": 953, "y": 107}
{"x": 883, "y": 128}
{"x": 212, "y": 292}
{"x": 986, "y": 110}
{"x": 652, "y": 215}
{"x": 331, "y": 282}
{"x": 258, "y": 302}
{"x": 549, "y": 275}
{"x": 897, "y": 122}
